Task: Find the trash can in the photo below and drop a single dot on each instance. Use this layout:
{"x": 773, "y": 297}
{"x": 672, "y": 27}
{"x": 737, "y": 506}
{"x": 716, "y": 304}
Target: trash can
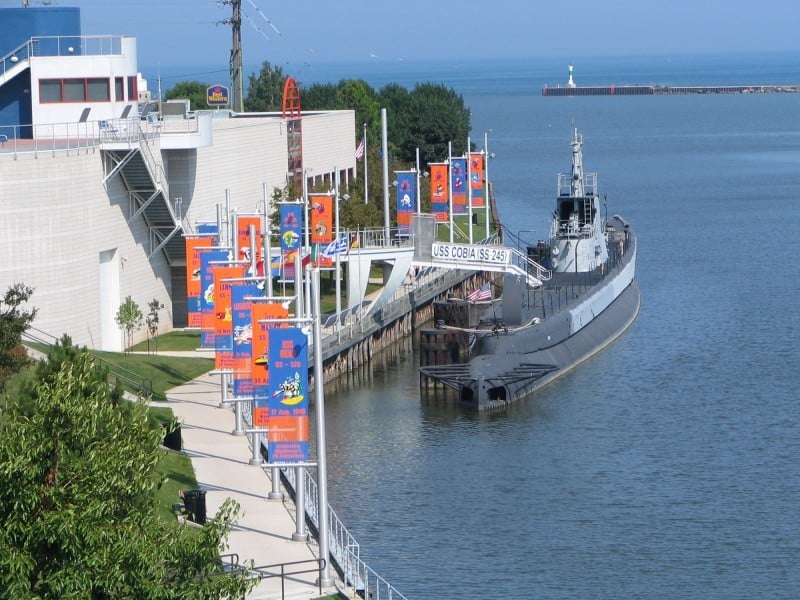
{"x": 195, "y": 503}
{"x": 172, "y": 439}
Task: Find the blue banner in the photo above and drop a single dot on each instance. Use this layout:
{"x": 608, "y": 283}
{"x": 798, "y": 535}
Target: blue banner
{"x": 458, "y": 185}
{"x": 291, "y": 235}
{"x": 208, "y": 229}
{"x": 208, "y": 260}
{"x": 288, "y": 395}
{"x": 406, "y": 200}
{"x": 243, "y": 335}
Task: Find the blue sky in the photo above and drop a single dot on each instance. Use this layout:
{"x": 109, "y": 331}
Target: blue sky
{"x": 295, "y": 33}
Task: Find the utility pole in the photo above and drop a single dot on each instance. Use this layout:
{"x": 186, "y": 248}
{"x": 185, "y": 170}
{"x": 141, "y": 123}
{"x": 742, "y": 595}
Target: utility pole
{"x": 236, "y": 67}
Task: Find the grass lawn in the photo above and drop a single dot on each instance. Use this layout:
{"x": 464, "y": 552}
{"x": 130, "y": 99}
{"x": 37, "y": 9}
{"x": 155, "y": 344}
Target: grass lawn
{"x": 174, "y": 340}
{"x": 165, "y": 372}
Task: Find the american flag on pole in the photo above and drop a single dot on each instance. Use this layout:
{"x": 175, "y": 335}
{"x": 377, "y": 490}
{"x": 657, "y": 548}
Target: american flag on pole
{"x": 360, "y": 150}
{"x": 482, "y": 294}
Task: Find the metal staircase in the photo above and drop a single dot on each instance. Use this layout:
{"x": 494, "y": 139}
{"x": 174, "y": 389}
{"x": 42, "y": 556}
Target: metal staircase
{"x": 141, "y": 172}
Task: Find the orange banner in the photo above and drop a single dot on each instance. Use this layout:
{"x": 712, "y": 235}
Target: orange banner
{"x": 223, "y": 320}
{"x": 439, "y": 192}
{"x": 193, "y": 286}
{"x": 321, "y": 218}
{"x": 243, "y": 223}
{"x": 261, "y": 311}
{"x": 476, "y": 178}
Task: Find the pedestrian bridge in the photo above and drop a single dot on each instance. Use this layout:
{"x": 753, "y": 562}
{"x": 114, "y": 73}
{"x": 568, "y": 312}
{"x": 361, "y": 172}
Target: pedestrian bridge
{"x": 407, "y": 255}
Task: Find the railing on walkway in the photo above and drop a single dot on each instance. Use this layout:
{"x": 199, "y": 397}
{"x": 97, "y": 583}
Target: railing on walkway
{"x": 63, "y": 45}
{"x": 131, "y": 381}
{"x": 231, "y": 564}
{"x": 343, "y": 547}
{"x": 69, "y": 136}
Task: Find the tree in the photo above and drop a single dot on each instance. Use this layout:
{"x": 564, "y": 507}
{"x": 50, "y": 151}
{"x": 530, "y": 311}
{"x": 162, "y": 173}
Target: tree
{"x": 195, "y": 91}
{"x": 152, "y": 321}
{"x": 130, "y": 319}
{"x": 434, "y": 116}
{"x": 265, "y": 91}
{"x": 14, "y": 321}
{"x": 76, "y": 498}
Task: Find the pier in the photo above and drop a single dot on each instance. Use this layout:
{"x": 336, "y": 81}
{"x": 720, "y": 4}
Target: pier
{"x": 666, "y": 90}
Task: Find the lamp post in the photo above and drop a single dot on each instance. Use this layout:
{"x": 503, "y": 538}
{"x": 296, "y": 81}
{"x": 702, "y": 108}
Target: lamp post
{"x": 385, "y": 152}
{"x": 450, "y": 187}
{"x": 366, "y": 162}
{"x": 325, "y": 578}
{"x": 419, "y": 205}
{"x": 469, "y": 186}
{"x": 486, "y": 177}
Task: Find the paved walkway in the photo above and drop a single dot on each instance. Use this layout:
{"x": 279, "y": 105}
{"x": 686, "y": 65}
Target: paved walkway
{"x": 222, "y": 467}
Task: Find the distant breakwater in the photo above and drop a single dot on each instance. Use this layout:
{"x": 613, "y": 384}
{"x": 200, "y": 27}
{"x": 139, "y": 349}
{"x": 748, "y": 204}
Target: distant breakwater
{"x": 661, "y": 90}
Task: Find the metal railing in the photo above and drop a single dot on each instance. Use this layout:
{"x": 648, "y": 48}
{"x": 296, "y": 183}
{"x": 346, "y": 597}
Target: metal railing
{"x": 343, "y": 547}
{"x": 133, "y": 382}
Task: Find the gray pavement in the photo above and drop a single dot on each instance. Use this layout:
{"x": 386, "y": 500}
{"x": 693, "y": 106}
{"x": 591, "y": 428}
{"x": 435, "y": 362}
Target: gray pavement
{"x": 222, "y": 467}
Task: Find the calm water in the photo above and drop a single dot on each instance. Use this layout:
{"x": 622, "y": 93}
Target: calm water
{"x": 665, "y": 467}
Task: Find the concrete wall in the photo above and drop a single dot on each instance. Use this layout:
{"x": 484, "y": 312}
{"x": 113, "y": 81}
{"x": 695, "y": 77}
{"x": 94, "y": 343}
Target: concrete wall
{"x": 66, "y": 233}
{"x": 247, "y": 152}
{"x": 63, "y": 233}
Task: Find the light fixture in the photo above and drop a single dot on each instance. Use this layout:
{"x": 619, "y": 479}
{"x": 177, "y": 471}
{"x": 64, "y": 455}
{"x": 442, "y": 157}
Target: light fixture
{"x": 70, "y": 49}
{"x": 14, "y": 58}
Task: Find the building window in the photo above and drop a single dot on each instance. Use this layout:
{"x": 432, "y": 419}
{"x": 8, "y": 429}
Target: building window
{"x": 133, "y": 92}
{"x": 97, "y": 89}
{"x": 74, "y": 90}
{"x": 94, "y": 89}
{"x": 119, "y": 89}
{"x": 50, "y": 90}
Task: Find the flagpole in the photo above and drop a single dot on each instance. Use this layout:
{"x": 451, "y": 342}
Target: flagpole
{"x": 366, "y": 185}
{"x": 450, "y": 186}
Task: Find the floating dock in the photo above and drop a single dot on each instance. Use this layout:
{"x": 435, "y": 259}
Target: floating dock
{"x": 663, "y": 90}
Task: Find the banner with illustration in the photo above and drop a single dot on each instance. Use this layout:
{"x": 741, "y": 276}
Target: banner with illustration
{"x": 194, "y": 245}
{"x": 223, "y": 314}
{"x": 476, "y": 179}
{"x": 259, "y": 366}
{"x": 406, "y": 199}
{"x": 243, "y": 223}
{"x": 242, "y": 293}
{"x": 209, "y": 260}
{"x": 439, "y": 192}
{"x": 458, "y": 185}
{"x": 321, "y": 216}
{"x": 291, "y": 236}
{"x": 288, "y": 395}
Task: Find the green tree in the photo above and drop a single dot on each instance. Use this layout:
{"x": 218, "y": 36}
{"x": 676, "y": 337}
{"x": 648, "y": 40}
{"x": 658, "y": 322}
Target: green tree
{"x": 14, "y": 321}
{"x": 265, "y": 90}
{"x": 129, "y": 317}
{"x": 76, "y": 498}
{"x": 434, "y": 117}
{"x": 321, "y": 96}
{"x": 195, "y": 91}
{"x": 152, "y": 322}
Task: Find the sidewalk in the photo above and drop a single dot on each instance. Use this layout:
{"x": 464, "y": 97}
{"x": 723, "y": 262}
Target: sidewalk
{"x": 221, "y": 465}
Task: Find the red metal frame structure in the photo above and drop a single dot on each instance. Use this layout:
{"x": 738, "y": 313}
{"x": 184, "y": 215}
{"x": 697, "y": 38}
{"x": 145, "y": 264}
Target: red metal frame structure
{"x": 293, "y": 116}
